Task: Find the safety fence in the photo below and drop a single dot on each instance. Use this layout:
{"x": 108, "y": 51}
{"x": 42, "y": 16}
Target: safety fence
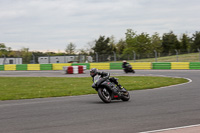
{"x": 105, "y": 66}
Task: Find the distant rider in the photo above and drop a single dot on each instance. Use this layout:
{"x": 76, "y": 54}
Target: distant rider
{"x": 124, "y": 64}
{"x": 127, "y": 67}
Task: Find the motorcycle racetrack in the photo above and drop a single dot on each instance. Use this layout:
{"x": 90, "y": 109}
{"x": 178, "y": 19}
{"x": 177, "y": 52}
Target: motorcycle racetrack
{"x": 161, "y": 110}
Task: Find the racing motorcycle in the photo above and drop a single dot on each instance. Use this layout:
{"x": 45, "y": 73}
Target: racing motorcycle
{"x": 105, "y": 88}
{"x": 128, "y": 68}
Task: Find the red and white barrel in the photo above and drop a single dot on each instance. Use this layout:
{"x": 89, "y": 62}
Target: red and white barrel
{"x": 74, "y": 69}
{"x": 70, "y": 70}
{"x": 80, "y": 69}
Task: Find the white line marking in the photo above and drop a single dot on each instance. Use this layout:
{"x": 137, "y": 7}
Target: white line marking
{"x": 154, "y": 131}
{"x": 189, "y": 81}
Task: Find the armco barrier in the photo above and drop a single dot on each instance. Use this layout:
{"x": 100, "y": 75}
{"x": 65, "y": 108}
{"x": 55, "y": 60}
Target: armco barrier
{"x": 59, "y": 66}
{"x": 1, "y": 67}
{"x": 161, "y": 65}
{"x": 82, "y": 64}
{"x": 100, "y": 65}
{"x": 135, "y": 65}
{"x": 21, "y": 67}
{"x": 115, "y": 65}
{"x": 46, "y": 67}
{"x": 194, "y": 65}
{"x": 179, "y": 65}
{"x": 11, "y": 67}
{"x": 141, "y": 65}
{"x": 33, "y": 67}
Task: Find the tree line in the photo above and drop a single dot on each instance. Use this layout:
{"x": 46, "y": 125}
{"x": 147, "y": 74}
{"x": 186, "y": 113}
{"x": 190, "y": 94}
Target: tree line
{"x": 142, "y": 43}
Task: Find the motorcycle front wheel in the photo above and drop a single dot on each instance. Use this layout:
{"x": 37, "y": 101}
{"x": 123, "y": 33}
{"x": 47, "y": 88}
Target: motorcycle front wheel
{"x": 104, "y": 95}
{"x": 125, "y": 96}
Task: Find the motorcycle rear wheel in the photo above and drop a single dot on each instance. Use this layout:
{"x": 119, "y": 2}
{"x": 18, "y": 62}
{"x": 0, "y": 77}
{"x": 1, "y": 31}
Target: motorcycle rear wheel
{"x": 104, "y": 95}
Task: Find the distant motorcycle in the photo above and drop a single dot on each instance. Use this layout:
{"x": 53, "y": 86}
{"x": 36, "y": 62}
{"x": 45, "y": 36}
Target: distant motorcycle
{"x": 128, "y": 68}
{"x": 105, "y": 87}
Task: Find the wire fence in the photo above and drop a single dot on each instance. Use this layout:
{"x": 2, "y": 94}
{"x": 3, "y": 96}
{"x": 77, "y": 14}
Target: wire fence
{"x": 96, "y": 57}
{"x": 150, "y": 57}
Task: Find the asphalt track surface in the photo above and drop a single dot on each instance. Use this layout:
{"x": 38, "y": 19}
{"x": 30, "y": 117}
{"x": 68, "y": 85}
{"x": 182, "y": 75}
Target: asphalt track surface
{"x": 148, "y": 110}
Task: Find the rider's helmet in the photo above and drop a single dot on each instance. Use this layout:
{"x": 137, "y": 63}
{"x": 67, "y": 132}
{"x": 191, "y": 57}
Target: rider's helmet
{"x": 93, "y": 72}
{"x": 124, "y": 61}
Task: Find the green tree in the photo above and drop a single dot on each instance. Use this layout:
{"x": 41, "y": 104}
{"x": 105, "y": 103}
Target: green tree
{"x": 144, "y": 43}
{"x": 70, "y": 49}
{"x": 139, "y": 43}
{"x": 3, "y": 50}
{"x": 120, "y": 46}
{"x": 131, "y": 38}
{"x": 170, "y": 43}
{"x": 2, "y": 46}
{"x": 26, "y": 55}
{"x": 102, "y": 45}
{"x": 185, "y": 43}
{"x": 156, "y": 42}
{"x": 196, "y": 41}
{"x": 14, "y": 54}
{"x": 112, "y": 44}
{"x": 131, "y": 42}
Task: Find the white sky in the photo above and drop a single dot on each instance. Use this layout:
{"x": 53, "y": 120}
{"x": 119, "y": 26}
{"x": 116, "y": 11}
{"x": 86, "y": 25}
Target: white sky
{"x": 50, "y": 25}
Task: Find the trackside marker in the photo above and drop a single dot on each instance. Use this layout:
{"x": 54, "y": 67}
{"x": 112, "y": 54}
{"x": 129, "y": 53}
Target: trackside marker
{"x": 184, "y": 129}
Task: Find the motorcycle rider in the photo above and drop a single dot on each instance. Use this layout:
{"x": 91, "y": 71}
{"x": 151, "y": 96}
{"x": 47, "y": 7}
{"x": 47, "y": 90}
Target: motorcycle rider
{"x": 105, "y": 75}
{"x": 125, "y": 65}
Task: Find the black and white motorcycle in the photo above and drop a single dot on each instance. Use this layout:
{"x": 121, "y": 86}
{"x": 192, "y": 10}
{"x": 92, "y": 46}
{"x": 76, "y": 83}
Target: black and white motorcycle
{"x": 106, "y": 89}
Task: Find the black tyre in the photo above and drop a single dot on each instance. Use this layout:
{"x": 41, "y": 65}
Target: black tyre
{"x": 125, "y": 71}
{"x": 104, "y": 95}
{"x": 125, "y": 96}
{"x": 133, "y": 71}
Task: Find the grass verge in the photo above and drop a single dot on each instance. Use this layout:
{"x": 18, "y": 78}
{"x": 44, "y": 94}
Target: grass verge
{"x": 192, "y": 57}
{"x": 13, "y": 88}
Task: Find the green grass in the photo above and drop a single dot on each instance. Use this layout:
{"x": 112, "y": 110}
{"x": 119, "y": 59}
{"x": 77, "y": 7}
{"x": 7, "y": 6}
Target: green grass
{"x": 193, "y": 57}
{"x": 13, "y": 88}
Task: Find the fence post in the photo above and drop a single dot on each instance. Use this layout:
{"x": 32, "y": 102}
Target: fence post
{"x": 65, "y": 58}
{"x": 199, "y": 54}
{"x": 114, "y": 55}
{"x": 134, "y": 56}
{"x": 96, "y": 56}
{"x": 155, "y": 55}
{"x": 33, "y": 58}
{"x": 48, "y": 58}
{"x": 176, "y": 55}
{"x": 4, "y": 59}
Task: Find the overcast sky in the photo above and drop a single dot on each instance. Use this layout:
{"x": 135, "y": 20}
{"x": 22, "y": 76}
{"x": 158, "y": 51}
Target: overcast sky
{"x": 50, "y": 25}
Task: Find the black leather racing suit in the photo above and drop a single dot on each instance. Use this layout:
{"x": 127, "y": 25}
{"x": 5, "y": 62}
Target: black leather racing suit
{"x": 106, "y": 75}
